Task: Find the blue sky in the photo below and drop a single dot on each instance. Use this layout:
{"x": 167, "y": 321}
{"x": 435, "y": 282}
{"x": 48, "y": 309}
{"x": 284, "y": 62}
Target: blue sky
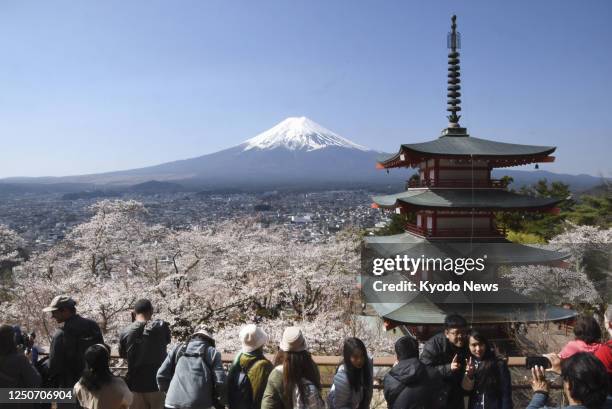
{"x": 93, "y": 86}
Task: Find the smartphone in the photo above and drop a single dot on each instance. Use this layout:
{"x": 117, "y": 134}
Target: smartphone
{"x": 542, "y": 361}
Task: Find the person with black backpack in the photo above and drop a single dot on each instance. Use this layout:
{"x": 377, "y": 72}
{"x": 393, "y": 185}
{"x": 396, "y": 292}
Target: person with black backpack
{"x": 143, "y": 345}
{"x": 67, "y": 351}
{"x": 192, "y": 374}
{"x": 248, "y": 375}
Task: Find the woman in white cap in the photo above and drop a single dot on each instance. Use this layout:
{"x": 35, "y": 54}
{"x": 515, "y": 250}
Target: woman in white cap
{"x": 192, "y": 374}
{"x": 248, "y": 375}
{"x": 295, "y": 382}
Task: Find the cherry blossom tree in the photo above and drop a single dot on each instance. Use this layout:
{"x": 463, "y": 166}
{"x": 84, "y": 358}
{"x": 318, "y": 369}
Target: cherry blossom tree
{"x": 582, "y": 281}
{"x": 222, "y": 276}
{"x": 10, "y": 243}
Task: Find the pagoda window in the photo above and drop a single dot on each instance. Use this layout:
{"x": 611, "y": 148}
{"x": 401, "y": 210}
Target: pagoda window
{"x": 429, "y": 223}
{"x": 419, "y": 220}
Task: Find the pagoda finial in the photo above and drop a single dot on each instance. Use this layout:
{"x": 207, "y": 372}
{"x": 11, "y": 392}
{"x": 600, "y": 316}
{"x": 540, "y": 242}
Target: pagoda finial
{"x": 454, "y": 87}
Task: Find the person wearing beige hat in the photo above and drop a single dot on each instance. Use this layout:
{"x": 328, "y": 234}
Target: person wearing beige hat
{"x": 295, "y": 382}
{"x": 248, "y": 374}
{"x": 70, "y": 341}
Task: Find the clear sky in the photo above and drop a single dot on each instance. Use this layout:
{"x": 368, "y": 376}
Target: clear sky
{"x": 93, "y": 86}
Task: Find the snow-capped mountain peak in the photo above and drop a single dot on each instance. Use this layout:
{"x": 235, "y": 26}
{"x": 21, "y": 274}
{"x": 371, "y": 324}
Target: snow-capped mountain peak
{"x": 299, "y": 133}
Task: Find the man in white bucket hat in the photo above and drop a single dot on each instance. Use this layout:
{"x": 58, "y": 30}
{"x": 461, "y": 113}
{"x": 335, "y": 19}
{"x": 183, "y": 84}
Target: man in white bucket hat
{"x": 248, "y": 375}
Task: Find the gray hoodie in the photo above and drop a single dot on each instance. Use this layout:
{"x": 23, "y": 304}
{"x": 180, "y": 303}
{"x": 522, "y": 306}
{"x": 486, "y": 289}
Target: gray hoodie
{"x": 189, "y": 383}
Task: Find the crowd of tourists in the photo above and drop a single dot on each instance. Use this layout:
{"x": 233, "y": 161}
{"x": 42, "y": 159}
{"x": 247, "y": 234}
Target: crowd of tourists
{"x": 455, "y": 368}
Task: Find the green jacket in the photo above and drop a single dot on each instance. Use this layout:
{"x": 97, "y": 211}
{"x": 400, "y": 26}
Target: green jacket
{"x": 258, "y": 374}
{"x": 274, "y": 396}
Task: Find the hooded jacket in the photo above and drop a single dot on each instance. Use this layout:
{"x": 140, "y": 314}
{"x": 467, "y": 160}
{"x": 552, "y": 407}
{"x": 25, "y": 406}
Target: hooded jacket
{"x": 187, "y": 380}
{"x": 412, "y": 385}
{"x": 143, "y": 345}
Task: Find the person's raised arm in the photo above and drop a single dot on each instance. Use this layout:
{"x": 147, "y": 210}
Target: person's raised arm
{"x": 467, "y": 383}
{"x": 540, "y": 388}
{"x": 428, "y": 357}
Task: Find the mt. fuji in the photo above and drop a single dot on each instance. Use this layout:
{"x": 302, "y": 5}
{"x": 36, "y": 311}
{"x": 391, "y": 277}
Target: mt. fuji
{"x": 297, "y": 153}
{"x": 299, "y": 134}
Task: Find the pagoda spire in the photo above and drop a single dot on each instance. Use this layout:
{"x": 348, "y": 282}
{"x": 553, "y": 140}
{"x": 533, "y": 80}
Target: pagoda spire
{"x": 454, "y": 81}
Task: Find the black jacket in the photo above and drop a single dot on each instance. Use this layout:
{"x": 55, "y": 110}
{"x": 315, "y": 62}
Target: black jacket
{"x": 66, "y": 353}
{"x": 143, "y": 345}
{"x": 17, "y": 372}
{"x": 495, "y": 399}
{"x": 438, "y": 353}
{"x": 412, "y": 385}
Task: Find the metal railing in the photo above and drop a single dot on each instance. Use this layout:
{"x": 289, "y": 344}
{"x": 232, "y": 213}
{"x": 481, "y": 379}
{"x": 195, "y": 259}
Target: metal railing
{"x": 331, "y": 362}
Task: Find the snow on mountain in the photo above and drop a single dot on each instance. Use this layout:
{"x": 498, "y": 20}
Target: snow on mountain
{"x": 299, "y": 133}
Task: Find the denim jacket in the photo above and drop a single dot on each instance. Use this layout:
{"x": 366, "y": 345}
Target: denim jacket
{"x": 539, "y": 402}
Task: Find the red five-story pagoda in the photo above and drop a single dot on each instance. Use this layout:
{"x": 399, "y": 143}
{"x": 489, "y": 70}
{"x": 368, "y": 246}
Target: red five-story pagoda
{"x": 454, "y": 199}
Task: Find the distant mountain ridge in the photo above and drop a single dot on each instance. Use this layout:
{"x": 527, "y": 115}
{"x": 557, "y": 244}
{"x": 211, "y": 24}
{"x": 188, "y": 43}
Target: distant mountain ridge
{"x": 529, "y": 177}
{"x": 296, "y": 154}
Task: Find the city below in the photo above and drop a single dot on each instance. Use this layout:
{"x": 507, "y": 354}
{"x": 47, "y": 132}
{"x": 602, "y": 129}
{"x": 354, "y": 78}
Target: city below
{"x": 43, "y": 220}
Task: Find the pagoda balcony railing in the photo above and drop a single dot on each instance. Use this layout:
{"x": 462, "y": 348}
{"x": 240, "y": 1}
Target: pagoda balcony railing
{"x": 456, "y": 232}
{"x": 463, "y": 183}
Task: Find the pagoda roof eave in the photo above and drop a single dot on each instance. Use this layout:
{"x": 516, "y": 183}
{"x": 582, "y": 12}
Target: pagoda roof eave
{"x": 424, "y": 313}
{"x": 482, "y": 199}
{"x": 497, "y": 252}
{"x": 449, "y": 147}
